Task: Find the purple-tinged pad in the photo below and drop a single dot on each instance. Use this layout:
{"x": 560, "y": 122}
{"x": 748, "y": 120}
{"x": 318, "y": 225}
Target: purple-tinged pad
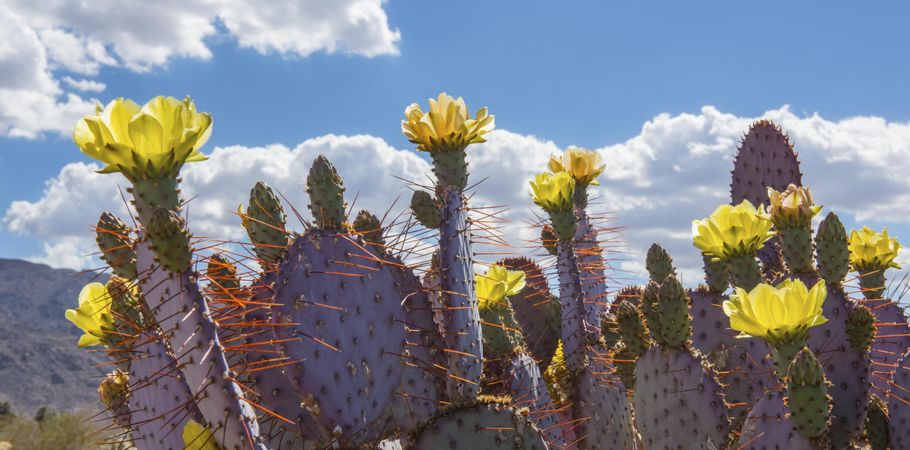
{"x": 187, "y": 325}
{"x": 899, "y": 404}
{"x": 892, "y": 339}
{"x": 160, "y": 399}
{"x": 601, "y": 408}
{"x": 769, "y": 427}
{"x": 476, "y": 426}
{"x": 765, "y": 158}
{"x": 847, "y": 368}
{"x": 423, "y": 377}
{"x": 463, "y": 335}
{"x": 338, "y": 313}
{"x": 273, "y": 385}
{"x": 678, "y": 399}
{"x": 592, "y": 270}
{"x": 574, "y": 330}
{"x": 741, "y": 364}
{"x": 529, "y": 390}
{"x": 537, "y": 315}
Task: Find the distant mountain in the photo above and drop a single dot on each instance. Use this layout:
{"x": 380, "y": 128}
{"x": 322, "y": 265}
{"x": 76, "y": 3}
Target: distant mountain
{"x": 39, "y": 361}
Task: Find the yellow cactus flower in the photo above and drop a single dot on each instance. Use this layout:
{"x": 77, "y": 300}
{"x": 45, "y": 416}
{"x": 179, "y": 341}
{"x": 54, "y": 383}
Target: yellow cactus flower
{"x": 497, "y": 284}
{"x": 447, "y": 126}
{"x": 794, "y": 207}
{"x": 114, "y": 389}
{"x": 732, "y": 230}
{"x": 584, "y": 165}
{"x": 159, "y": 136}
{"x": 871, "y": 251}
{"x": 93, "y": 316}
{"x": 553, "y": 191}
{"x": 779, "y": 315}
{"x": 198, "y": 437}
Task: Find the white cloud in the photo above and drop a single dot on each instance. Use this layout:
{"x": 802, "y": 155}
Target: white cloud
{"x": 84, "y": 85}
{"x": 40, "y": 39}
{"x": 675, "y": 170}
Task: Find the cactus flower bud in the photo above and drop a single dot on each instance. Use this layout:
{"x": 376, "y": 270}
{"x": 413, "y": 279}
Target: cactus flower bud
{"x": 794, "y": 207}
{"x": 583, "y": 165}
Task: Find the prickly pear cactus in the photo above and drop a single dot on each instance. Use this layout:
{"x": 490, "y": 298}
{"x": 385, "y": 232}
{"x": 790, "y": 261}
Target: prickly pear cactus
{"x": 536, "y": 312}
{"x": 481, "y": 425}
{"x": 765, "y": 158}
{"x": 529, "y": 390}
{"x": 160, "y": 400}
{"x": 899, "y": 404}
{"x": 769, "y": 426}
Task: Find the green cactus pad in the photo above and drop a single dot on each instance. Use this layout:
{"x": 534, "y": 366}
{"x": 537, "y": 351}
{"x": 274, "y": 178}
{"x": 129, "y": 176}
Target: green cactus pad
{"x": 224, "y": 283}
{"x": 564, "y": 224}
{"x": 170, "y": 240}
{"x": 861, "y": 327}
{"x": 650, "y": 297}
{"x": 479, "y": 426}
{"x": 501, "y": 334}
{"x": 807, "y": 394}
{"x": 326, "y": 190}
{"x": 659, "y": 264}
{"x": 631, "y": 327}
{"x": 152, "y": 193}
{"x": 796, "y": 248}
{"x": 673, "y": 312}
{"x": 831, "y": 249}
{"x": 265, "y": 224}
{"x": 369, "y": 228}
{"x": 548, "y": 239}
{"x": 744, "y": 271}
{"x": 717, "y": 276}
{"x": 113, "y": 238}
{"x": 426, "y": 209}
{"x": 877, "y": 423}
{"x": 451, "y": 168}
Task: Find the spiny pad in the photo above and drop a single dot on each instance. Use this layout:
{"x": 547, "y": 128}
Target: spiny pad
{"x": 746, "y": 371}
{"x": 368, "y": 226}
{"x": 659, "y": 264}
{"x": 113, "y": 238}
{"x": 479, "y": 426}
{"x": 765, "y": 158}
{"x": 892, "y": 339}
{"x": 529, "y": 390}
{"x": 426, "y": 209}
{"x": 770, "y": 427}
{"x": 677, "y": 399}
{"x": 807, "y": 395}
{"x": 899, "y": 404}
{"x": 160, "y": 400}
{"x": 326, "y": 190}
{"x": 337, "y": 306}
{"x": 602, "y": 407}
{"x": 831, "y": 249}
{"x": 265, "y": 223}
{"x": 592, "y": 268}
{"x": 536, "y": 311}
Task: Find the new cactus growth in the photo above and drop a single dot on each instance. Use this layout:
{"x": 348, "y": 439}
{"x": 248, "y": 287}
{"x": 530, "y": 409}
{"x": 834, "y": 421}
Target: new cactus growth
{"x": 425, "y": 209}
{"x": 831, "y": 249}
{"x": 265, "y": 220}
{"x": 113, "y": 238}
{"x": 807, "y": 394}
{"x": 369, "y": 227}
{"x": 791, "y": 212}
{"x": 326, "y": 190}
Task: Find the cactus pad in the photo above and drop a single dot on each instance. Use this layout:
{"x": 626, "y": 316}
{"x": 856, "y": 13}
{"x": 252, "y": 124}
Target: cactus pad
{"x": 677, "y": 397}
{"x": 899, "y": 404}
{"x": 536, "y": 311}
{"x": 479, "y": 426}
{"x": 770, "y": 427}
{"x": 113, "y": 238}
{"x": 764, "y": 159}
{"x": 326, "y": 190}
{"x": 265, "y": 223}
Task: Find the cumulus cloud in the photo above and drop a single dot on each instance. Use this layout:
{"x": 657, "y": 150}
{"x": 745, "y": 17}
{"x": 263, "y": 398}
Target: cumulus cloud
{"x": 674, "y": 170}
{"x": 73, "y": 200}
{"x": 38, "y": 40}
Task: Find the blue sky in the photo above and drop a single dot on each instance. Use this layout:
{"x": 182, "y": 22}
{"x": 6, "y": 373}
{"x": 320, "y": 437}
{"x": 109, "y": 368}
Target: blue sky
{"x": 580, "y": 73}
